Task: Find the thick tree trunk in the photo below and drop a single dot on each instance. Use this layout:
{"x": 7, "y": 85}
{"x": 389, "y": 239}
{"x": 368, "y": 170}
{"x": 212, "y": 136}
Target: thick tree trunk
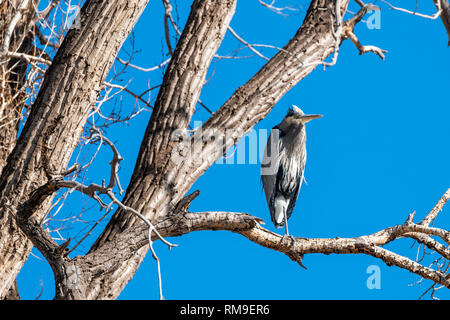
{"x": 69, "y": 91}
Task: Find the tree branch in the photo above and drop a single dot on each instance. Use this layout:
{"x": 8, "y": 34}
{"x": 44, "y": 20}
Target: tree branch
{"x": 180, "y": 222}
{"x": 443, "y": 11}
{"x": 349, "y": 26}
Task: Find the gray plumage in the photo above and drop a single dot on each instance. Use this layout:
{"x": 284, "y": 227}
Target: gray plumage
{"x": 283, "y": 165}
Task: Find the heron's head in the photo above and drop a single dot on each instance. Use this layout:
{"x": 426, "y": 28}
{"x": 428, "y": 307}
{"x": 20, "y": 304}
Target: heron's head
{"x": 296, "y": 114}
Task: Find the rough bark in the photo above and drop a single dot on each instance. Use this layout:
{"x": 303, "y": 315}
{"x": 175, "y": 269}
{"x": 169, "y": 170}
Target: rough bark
{"x": 13, "y": 73}
{"x": 13, "y": 292}
{"x": 69, "y": 91}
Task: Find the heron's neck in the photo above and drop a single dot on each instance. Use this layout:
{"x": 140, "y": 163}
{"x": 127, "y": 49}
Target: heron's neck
{"x": 294, "y": 135}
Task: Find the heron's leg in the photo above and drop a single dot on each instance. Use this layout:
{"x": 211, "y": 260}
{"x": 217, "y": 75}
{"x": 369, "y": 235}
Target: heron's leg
{"x": 287, "y": 235}
{"x": 286, "y": 225}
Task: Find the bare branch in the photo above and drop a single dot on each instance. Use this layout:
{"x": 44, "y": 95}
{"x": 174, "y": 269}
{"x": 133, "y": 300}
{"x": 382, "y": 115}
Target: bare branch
{"x": 364, "y": 49}
{"x": 443, "y": 11}
{"x": 248, "y": 45}
{"x": 28, "y": 58}
{"x": 415, "y": 13}
{"x": 438, "y": 207}
{"x": 124, "y": 88}
{"x": 114, "y": 177}
{"x": 349, "y": 26}
{"x": 249, "y": 227}
{"x": 168, "y": 17}
{"x": 180, "y": 222}
{"x": 127, "y": 63}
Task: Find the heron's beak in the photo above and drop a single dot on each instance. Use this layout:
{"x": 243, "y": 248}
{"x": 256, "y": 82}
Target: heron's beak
{"x": 308, "y": 117}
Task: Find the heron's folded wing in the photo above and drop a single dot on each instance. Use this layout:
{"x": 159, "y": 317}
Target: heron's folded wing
{"x": 270, "y": 163}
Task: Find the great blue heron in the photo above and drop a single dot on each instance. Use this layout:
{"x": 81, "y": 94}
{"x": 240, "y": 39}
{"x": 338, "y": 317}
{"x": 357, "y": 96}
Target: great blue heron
{"x": 283, "y": 165}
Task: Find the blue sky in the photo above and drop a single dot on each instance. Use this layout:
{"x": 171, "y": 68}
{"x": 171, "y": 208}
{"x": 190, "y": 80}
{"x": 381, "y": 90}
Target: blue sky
{"x": 380, "y": 152}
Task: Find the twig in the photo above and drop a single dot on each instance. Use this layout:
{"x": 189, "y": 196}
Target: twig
{"x": 10, "y": 28}
{"x": 41, "y": 290}
{"x": 28, "y": 58}
{"x": 277, "y": 10}
{"x": 124, "y": 88}
{"x": 167, "y": 18}
{"x": 415, "y": 13}
{"x": 114, "y": 164}
{"x": 159, "y": 66}
{"x": 438, "y": 207}
{"x": 89, "y": 232}
{"x": 248, "y": 45}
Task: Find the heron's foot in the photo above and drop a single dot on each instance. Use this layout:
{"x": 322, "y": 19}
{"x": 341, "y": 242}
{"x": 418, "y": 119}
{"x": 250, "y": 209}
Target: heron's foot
{"x": 298, "y": 257}
{"x": 288, "y": 237}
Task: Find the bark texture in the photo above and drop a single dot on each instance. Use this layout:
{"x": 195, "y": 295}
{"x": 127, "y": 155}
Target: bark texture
{"x": 13, "y": 74}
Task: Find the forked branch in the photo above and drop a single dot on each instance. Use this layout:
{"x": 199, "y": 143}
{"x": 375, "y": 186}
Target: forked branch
{"x": 56, "y": 255}
{"x": 349, "y": 27}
